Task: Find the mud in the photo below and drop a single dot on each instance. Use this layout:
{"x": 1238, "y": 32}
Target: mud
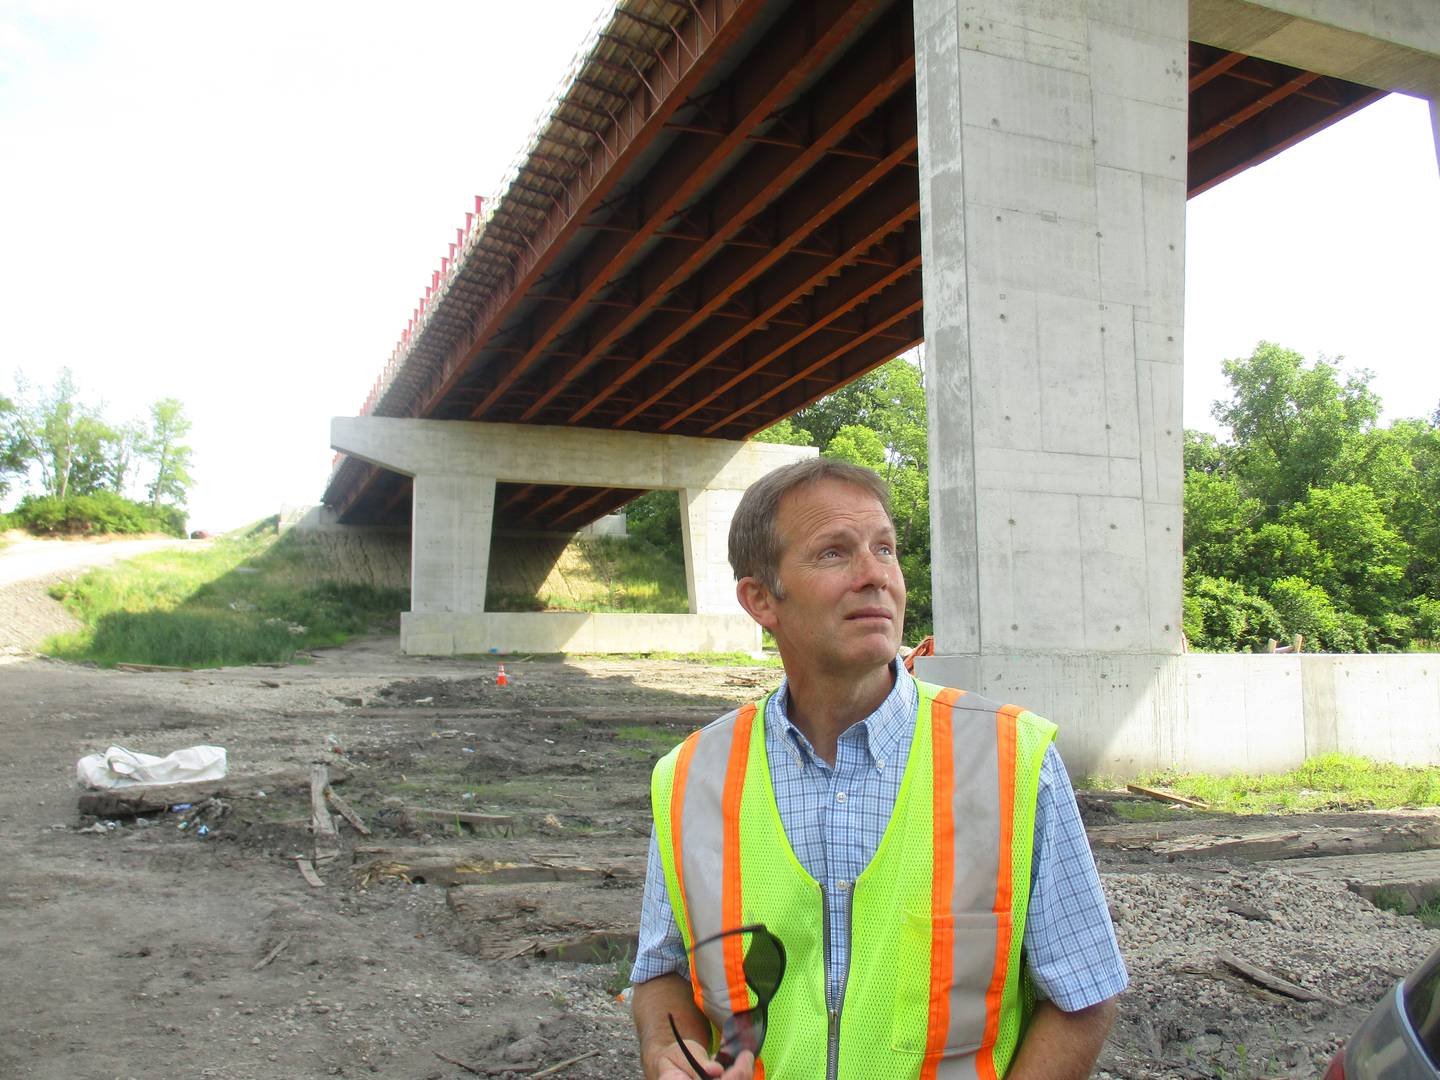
{"x": 136, "y": 951}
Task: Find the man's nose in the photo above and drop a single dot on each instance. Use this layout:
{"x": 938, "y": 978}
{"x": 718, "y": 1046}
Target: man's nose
{"x": 872, "y": 571}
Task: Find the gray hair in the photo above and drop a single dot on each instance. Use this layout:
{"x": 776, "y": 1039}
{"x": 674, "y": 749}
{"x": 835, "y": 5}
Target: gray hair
{"x": 755, "y": 543}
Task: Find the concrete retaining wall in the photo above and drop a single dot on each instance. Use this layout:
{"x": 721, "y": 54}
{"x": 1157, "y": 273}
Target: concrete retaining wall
{"x": 1124, "y": 714}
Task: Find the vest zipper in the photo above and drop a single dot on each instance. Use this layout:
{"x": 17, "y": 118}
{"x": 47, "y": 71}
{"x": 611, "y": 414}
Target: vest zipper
{"x": 832, "y": 1052}
{"x": 832, "y": 1008}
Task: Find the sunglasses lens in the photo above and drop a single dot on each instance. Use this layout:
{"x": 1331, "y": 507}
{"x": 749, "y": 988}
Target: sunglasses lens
{"x": 743, "y": 1031}
{"x": 764, "y": 964}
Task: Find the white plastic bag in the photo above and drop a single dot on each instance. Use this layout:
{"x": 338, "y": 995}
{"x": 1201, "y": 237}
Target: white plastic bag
{"x": 119, "y": 767}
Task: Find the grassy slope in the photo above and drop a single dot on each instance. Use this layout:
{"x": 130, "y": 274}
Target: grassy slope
{"x": 250, "y": 597}
{"x": 246, "y": 598}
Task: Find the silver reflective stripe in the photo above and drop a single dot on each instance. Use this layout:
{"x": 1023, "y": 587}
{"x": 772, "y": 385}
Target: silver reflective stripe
{"x": 976, "y": 809}
{"x": 702, "y": 853}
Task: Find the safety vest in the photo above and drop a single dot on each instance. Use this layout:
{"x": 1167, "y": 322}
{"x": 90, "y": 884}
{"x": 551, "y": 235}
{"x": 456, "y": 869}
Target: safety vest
{"x": 934, "y": 987}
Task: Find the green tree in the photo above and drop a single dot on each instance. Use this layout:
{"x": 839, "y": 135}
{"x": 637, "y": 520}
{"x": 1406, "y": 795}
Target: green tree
{"x": 16, "y": 451}
{"x": 1360, "y": 559}
{"x": 1291, "y": 424}
{"x": 167, "y": 452}
{"x": 1218, "y": 523}
{"x": 785, "y": 433}
{"x": 66, "y": 439}
{"x": 1224, "y": 616}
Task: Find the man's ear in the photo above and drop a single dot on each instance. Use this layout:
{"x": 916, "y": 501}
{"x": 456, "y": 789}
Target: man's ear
{"x": 758, "y": 601}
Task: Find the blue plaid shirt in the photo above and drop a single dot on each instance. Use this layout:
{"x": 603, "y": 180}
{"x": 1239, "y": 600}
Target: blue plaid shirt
{"x": 834, "y": 817}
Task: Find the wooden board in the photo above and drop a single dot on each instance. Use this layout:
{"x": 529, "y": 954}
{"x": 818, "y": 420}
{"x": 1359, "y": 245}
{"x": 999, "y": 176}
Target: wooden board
{"x": 148, "y": 798}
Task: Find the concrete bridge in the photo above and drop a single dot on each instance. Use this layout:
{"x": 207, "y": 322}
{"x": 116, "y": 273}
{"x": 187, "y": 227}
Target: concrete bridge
{"x": 738, "y": 206}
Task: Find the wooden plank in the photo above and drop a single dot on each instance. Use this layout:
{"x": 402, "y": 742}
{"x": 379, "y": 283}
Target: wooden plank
{"x": 1269, "y": 980}
{"x": 322, "y": 825}
{"x": 277, "y": 950}
{"x": 347, "y": 812}
{"x": 307, "y": 871}
{"x": 1166, "y": 796}
{"x": 465, "y": 816}
{"x": 149, "y": 667}
{"x": 149, "y": 798}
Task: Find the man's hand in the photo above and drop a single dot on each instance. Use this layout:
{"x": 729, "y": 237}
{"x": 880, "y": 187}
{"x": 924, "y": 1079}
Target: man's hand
{"x": 671, "y": 1064}
{"x": 653, "y": 1004}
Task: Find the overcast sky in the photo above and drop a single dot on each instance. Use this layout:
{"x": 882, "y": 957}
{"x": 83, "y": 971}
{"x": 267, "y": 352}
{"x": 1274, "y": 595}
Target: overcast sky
{"x": 239, "y": 206}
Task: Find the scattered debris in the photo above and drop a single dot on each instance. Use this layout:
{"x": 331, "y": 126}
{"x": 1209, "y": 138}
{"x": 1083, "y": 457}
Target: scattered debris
{"x": 142, "y": 668}
{"x": 502, "y": 822}
{"x": 563, "y": 1064}
{"x": 283, "y": 944}
{"x": 307, "y": 871}
{"x": 347, "y": 812}
{"x": 1166, "y": 796}
{"x": 1245, "y": 911}
{"x": 1269, "y": 980}
{"x": 322, "y": 825}
{"x": 148, "y": 799}
{"x": 119, "y": 767}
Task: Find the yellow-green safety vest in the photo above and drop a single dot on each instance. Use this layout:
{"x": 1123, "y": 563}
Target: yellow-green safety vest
{"x": 934, "y": 988}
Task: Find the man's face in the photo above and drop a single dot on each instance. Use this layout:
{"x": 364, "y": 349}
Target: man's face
{"x": 844, "y": 596}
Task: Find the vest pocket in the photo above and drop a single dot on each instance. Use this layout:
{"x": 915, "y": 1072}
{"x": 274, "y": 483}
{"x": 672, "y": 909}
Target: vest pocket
{"x": 974, "y": 938}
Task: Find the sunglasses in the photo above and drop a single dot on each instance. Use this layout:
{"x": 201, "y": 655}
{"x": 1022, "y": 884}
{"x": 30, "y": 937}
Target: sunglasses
{"x": 764, "y": 967}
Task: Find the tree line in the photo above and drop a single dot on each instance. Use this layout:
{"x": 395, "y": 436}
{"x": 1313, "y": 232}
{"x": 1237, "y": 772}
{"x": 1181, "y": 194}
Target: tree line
{"x": 1306, "y": 517}
{"x": 86, "y": 473}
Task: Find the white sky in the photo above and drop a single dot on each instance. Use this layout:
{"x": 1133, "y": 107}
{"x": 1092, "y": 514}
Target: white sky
{"x": 240, "y": 206}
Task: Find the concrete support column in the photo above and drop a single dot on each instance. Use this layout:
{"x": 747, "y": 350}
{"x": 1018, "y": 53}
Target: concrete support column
{"x": 1052, "y": 194}
{"x": 450, "y": 545}
{"x": 705, "y": 515}
{"x": 1435, "y": 127}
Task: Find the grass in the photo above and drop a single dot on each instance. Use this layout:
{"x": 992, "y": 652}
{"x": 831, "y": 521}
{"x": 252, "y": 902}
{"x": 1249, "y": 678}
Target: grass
{"x": 248, "y": 597}
{"x": 1327, "y": 782}
{"x": 646, "y": 742}
{"x": 1393, "y": 900}
{"x": 604, "y": 574}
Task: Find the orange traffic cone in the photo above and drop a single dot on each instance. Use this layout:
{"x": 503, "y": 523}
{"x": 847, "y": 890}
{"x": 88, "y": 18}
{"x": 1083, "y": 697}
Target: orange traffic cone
{"x": 500, "y": 679}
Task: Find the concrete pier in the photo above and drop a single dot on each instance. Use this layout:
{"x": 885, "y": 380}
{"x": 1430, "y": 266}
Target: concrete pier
{"x": 1053, "y": 147}
{"x": 456, "y": 465}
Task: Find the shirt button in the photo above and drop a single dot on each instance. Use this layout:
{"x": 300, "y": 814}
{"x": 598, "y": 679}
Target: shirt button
{"x": 842, "y": 886}
{"x": 880, "y": 764}
{"x": 840, "y": 796}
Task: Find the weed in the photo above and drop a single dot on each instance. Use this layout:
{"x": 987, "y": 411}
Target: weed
{"x": 249, "y": 597}
{"x": 1327, "y": 782}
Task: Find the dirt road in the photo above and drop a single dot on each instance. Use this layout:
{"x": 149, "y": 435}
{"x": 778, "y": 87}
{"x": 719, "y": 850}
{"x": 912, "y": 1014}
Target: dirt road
{"x": 147, "y": 950}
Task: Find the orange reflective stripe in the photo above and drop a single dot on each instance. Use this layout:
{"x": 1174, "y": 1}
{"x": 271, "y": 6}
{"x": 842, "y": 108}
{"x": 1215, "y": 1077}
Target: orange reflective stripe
{"x": 942, "y": 881}
{"x": 677, "y": 807}
{"x": 732, "y": 909}
{"x": 1005, "y": 724}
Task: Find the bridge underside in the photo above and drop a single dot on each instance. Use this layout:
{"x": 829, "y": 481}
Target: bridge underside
{"x": 719, "y": 226}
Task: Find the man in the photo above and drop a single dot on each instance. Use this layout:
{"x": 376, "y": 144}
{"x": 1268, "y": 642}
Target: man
{"x": 926, "y": 873}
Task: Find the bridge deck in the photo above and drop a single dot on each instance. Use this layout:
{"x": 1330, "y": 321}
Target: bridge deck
{"x": 718, "y": 225}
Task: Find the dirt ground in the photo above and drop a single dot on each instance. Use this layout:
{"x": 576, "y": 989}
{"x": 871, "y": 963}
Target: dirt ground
{"x": 141, "y": 949}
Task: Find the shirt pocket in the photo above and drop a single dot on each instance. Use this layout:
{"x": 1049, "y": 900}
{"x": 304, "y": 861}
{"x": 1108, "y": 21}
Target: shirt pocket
{"x": 974, "y": 937}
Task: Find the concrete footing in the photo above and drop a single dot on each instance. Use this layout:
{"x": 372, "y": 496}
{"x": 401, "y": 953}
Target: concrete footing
{"x": 574, "y": 632}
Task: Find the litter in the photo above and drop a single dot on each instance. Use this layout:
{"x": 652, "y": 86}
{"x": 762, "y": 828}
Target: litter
{"x": 118, "y": 767}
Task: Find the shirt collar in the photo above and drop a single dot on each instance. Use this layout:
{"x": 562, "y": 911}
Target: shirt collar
{"x": 879, "y": 734}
